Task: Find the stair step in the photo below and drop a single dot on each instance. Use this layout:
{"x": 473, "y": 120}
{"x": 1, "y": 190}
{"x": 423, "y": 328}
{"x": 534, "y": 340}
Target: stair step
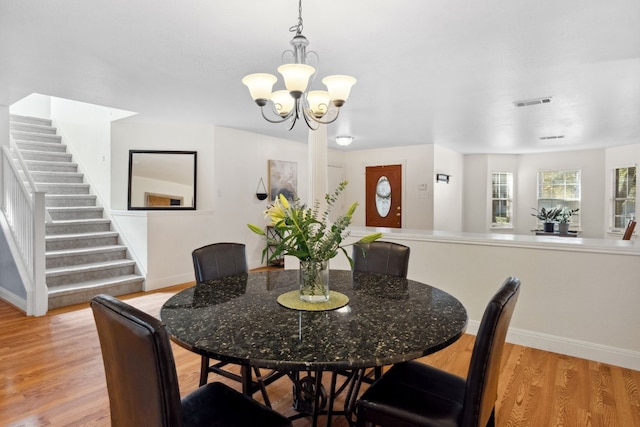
{"x": 47, "y": 156}
{"x": 80, "y": 240}
{"x": 89, "y": 255}
{"x": 55, "y": 147}
{"x": 51, "y": 177}
{"x": 31, "y": 127}
{"x": 75, "y": 200}
{"x": 75, "y": 212}
{"x": 64, "y": 187}
{"x": 17, "y": 118}
{"x": 85, "y": 272}
{"x": 49, "y": 166}
{"x": 65, "y": 295}
{"x": 77, "y": 226}
{"x": 35, "y": 136}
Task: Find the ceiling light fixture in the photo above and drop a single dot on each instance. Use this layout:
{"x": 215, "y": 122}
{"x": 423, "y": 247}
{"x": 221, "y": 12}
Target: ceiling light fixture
{"x": 344, "y": 140}
{"x": 315, "y": 106}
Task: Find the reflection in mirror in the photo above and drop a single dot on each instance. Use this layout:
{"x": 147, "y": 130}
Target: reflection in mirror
{"x": 162, "y": 180}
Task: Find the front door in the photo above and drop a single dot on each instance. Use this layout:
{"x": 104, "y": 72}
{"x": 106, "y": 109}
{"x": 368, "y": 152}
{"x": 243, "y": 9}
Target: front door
{"x": 384, "y": 196}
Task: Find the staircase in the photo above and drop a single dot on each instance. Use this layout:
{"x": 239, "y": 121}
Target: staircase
{"x": 83, "y": 256}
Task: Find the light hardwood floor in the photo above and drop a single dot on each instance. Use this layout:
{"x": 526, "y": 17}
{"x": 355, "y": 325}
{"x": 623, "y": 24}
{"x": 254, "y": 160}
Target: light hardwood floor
{"x": 51, "y": 374}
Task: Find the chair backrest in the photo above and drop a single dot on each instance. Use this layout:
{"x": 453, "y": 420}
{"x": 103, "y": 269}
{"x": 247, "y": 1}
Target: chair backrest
{"x": 629, "y": 230}
{"x": 482, "y": 380}
{"x": 219, "y": 260}
{"x": 138, "y": 361}
{"x": 381, "y": 257}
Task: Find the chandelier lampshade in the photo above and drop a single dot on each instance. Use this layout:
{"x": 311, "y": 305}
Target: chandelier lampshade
{"x": 298, "y": 101}
{"x": 260, "y": 86}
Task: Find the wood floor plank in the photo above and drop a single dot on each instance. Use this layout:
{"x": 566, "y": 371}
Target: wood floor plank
{"x": 52, "y": 375}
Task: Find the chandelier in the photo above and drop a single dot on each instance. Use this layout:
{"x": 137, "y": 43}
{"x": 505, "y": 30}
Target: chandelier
{"x": 297, "y": 101}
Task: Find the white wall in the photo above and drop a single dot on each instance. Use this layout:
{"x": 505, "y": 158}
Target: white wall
{"x": 447, "y": 200}
{"x": 226, "y": 193}
{"x": 236, "y": 178}
{"x": 417, "y": 170}
{"x": 476, "y": 192}
{"x": 34, "y": 105}
{"x": 86, "y": 130}
{"x": 589, "y": 162}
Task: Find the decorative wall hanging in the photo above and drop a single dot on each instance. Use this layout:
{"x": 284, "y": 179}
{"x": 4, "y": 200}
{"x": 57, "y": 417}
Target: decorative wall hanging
{"x": 283, "y": 179}
{"x": 261, "y": 191}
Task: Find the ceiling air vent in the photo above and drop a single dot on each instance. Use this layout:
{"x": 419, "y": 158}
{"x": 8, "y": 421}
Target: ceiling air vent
{"x": 544, "y": 138}
{"x": 529, "y": 102}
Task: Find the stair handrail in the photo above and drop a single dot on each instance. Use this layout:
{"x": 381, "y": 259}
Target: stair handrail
{"x": 27, "y": 173}
{"x": 24, "y": 211}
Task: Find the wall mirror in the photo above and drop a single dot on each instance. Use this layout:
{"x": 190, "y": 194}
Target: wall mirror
{"x": 162, "y": 180}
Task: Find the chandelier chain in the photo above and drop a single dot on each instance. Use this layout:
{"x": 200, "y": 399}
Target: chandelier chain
{"x": 298, "y": 27}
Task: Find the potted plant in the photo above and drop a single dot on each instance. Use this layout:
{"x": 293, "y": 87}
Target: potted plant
{"x": 307, "y": 234}
{"x": 564, "y": 218}
{"x": 548, "y": 217}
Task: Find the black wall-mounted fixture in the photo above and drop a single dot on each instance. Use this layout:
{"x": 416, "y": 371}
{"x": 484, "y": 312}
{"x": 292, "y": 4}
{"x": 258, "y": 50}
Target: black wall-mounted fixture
{"x": 441, "y": 177}
{"x": 261, "y": 191}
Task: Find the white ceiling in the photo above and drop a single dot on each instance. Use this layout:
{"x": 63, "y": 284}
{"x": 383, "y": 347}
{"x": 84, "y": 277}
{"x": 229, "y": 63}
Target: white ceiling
{"x": 433, "y": 71}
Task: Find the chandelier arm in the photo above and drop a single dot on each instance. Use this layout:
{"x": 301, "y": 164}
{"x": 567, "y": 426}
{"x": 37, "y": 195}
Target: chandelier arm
{"x": 310, "y": 124}
{"x": 324, "y": 122}
{"x": 283, "y": 119}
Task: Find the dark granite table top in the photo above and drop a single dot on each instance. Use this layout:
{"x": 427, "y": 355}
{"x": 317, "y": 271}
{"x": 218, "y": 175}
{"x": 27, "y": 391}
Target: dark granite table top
{"x": 388, "y": 320}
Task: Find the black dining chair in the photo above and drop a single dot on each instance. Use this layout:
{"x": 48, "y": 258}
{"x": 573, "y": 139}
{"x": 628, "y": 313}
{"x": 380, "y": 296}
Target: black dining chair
{"x": 216, "y": 261}
{"x": 381, "y": 257}
{"x": 418, "y": 395}
{"x": 142, "y": 382}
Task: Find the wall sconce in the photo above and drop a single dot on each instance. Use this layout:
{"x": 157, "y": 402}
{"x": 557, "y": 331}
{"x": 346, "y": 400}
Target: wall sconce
{"x": 441, "y": 177}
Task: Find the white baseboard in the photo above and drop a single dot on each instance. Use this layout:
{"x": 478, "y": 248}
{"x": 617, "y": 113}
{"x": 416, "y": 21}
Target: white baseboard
{"x": 582, "y": 349}
{"x": 13, "y": 299}
{"x": 164, "y": 282}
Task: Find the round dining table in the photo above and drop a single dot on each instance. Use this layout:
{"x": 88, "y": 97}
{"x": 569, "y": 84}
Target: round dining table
{"x": 386, "y": 320}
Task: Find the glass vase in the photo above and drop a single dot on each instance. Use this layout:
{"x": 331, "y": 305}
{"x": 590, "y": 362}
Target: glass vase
{"x": 314, "y": 281}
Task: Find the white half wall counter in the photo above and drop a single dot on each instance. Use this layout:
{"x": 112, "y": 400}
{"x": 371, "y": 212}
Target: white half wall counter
{"x": 579, "y": 297}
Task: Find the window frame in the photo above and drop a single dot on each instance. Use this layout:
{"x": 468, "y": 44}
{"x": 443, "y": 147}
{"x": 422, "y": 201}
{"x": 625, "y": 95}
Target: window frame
{"x": 621, "y": 226}
{"x": 509, "y": 200}
{"x": 567, "y": 202}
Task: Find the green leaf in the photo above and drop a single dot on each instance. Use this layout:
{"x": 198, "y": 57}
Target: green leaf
{"x": 256, "y": 229}
{"x": 370, "y": 238}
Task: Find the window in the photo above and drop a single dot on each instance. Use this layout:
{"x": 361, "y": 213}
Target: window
{"x": 560, "y": 189}
{"x": 624, "y": 196}
{"x": 501, "y": 199}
